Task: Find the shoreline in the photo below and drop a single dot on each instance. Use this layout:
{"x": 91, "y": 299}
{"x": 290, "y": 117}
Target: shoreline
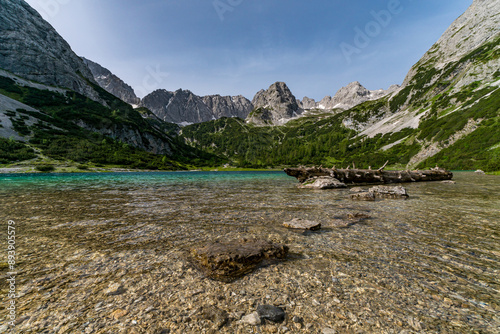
{"x": 71, "y": 169}
{"x": 65, "y": 169}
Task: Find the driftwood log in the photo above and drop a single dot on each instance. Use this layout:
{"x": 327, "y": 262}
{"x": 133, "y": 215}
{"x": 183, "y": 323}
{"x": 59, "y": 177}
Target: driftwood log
{"x": 369, "y": 176}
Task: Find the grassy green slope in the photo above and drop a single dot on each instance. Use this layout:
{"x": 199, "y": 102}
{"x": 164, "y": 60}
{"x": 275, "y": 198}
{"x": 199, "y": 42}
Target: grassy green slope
{"x": 56, "y": 134}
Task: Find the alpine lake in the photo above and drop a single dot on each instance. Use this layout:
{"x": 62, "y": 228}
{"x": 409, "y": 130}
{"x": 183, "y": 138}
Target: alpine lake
{"x": 106, "y": 253}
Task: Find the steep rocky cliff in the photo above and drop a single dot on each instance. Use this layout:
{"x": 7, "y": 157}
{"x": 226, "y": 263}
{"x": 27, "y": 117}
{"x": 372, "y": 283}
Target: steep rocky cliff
{"x": 467, "y": 52}
{"x": 183, "y": 107}
{"x": 111, "y": 83}
{"x": 274, "y": 106}
{"x": 32, "y": 49}
{"x": 228, "y": 106}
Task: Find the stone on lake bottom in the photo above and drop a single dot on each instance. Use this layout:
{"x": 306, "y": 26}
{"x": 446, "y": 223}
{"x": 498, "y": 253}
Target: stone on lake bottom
{"x": 252, "y": 319}
{"x": 231, "y": 260}
{"x": 449, "y": 182}
{"x": 217, "y": 316}
{"x": 341, "y": 223}
{"x": 114, "y": 289}
{"x": 302, "y": 224}
{"x": 271, "y": 313}
{"x": 358, "y": 216}
{"x": 117, "y": 314}
{"x": 328, "y": 330}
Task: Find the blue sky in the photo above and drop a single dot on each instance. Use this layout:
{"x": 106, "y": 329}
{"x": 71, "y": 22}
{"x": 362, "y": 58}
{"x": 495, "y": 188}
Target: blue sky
{"x": 232, "y": 47}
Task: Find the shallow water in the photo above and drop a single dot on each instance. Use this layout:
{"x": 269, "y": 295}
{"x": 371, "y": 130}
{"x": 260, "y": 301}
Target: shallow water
{"x": 427, "y": 264}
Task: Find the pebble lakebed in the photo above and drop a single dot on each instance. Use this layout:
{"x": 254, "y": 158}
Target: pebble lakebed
{"x": 107, "y": 254}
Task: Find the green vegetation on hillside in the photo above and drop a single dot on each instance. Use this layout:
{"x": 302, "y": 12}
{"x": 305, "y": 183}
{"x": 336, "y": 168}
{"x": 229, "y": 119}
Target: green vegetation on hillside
{"x": 57, "y": 134}
{"x": 478, "y": 150}
{"x": 11, "y": 150}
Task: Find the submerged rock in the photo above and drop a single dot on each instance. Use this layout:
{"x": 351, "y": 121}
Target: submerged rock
{"x": 328, "y": 330}
{"x": 480, "y": 172}
{"x": 252, "y": 319}
{"x": 302, "y": 224}
{"x": 364, "y": 196}
{"x": 217, "y": 316}
{"x": 231, "y": 260}
{"x": 449, "y": 182}
{"x": 323, "y": 182}
{"x": 389, "y": 192}
{"x": 358, "y": 216}
{"x": 271, "y": 313}
{"x": 114, "y": 289}
{"x": 351, "y": 219}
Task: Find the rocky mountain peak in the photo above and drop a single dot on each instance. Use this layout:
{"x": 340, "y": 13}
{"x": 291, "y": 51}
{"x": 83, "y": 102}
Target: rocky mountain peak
{"x": 45, "y": 56}
{"x": 111, "y": 83}
{"x": 479, "y": 25}
{"x": 351, "y": 95}
{"x": 184, "y": 107}
{"x": 274, "y": 106}
{"x": 228, "y": 106}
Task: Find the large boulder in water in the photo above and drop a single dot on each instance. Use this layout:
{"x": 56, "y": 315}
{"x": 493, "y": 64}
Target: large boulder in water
{"x": 389, "y": 192}
{"x": 227, "y": 261}
{"x": 323, "y": 182}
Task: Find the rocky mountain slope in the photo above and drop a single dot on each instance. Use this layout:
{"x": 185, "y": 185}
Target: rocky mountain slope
{"x": 32, "y": 49}
{"x": 459, "y": 71}
{"x": 348, "y": 97}
{"x": 45, "y": 107}
{"x": 274, "y": 106}
{"x": 477, "y": 27}
{"x": 111, "y": 83}
{"x": 228, "y": 106}
{"x": 183, "y": 107}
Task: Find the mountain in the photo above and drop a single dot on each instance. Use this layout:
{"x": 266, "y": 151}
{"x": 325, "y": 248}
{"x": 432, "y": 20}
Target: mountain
{"x": 51, "y": 107}
{"x": 352, "y": 95}
{"x": 183, "y": 107}
{"x": 274, "y": 106}
{"x": 307, "y": 103}
{"x": 180, "y": 107}
{"x": 348, "y": 97}
{"x": 446, "y": 112}
{"x": 441, "y": 93}
{"x": 32, "y": 49}
{"x": 111, "y": 83}
{"x": 452, "y": 57}
{"x": 228, "y": 106}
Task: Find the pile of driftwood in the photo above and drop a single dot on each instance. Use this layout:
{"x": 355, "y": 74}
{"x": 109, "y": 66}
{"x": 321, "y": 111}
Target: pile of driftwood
{"x": 369, "y": 176}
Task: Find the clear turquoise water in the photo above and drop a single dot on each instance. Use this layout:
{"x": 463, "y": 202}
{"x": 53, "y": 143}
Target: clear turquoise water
{"x": 84, "y": 180}
{"x": 434, "y": 257}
